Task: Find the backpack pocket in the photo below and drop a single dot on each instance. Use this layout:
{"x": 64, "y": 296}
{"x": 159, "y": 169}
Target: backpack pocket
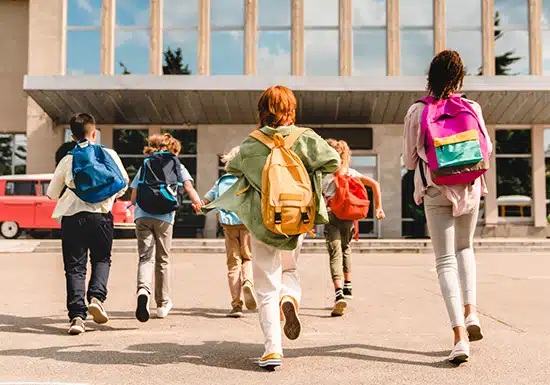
{"x": 458, "y": 150}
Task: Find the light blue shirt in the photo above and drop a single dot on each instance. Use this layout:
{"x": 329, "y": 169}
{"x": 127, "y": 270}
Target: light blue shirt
{"x": 169, "y": 218}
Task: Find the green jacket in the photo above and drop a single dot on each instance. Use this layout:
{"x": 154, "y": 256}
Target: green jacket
{"x": 319, "y": 160}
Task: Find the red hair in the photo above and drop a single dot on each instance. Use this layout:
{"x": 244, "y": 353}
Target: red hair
{"x": 277, "y": 107}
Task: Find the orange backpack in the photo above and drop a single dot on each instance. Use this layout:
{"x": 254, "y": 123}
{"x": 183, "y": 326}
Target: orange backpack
{"x": 351, "y": 201}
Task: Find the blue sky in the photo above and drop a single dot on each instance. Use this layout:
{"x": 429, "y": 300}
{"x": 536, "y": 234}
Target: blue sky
{"x": 321, "y": 56}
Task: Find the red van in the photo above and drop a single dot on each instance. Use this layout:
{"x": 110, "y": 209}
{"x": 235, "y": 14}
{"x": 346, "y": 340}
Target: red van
{"x": 25, "y": 205}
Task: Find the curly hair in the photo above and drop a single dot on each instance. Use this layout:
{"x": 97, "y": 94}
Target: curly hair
{"x": 162, "y": 142}
{"x": 277, "y": 107}
{"x": 342, "y": 149}
{"x": 228, "y": 156}
{"x": 446, "y": 74}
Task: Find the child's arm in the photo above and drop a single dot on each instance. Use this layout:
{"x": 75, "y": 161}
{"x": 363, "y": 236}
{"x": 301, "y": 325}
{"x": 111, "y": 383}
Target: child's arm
{"x": 193, "y": 195}
{"x": 379, "y": 212}
{"x": 58, "y": 182}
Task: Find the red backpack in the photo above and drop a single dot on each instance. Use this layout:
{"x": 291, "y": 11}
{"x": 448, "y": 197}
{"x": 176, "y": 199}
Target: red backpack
{"x": 351, "y": 201}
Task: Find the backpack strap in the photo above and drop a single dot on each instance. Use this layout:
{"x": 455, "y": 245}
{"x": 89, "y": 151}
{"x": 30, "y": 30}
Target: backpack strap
{"x": 291, "y": 139}
{"x": 262, "y": 138}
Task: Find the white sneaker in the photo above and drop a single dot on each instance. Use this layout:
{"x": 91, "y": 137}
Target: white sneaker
{"x": 473, "y": 327}
{"x": 460, "y": 353}
{"x": 163, "y": 311}
{"x": 142, "y": 309}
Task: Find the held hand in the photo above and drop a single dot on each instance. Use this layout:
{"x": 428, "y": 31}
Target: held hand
{"x": 380, "y": 213}
{"x": 197, "y": 205}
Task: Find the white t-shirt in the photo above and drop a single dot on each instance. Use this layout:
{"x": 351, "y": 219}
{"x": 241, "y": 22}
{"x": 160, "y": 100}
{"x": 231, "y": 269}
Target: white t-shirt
{"x": 329, "y": 188}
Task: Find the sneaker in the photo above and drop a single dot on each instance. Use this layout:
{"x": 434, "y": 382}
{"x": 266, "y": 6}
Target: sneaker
{"x": 77, "y": 326}
{"x": 236, "y": 312}
{"x": 473, "y": 327}
{"x": 460, "y": 353}
{"x": 270, "y": 362}
{"x": 347, "y": 293}
{"x": 142, "y": 310}
{"x": 96, "y": 309}
{"x": 292, "y": 326}
{"x": 162, "y": 312}
{"x": 249, "y": 297}
{"x": 339, "y": 306}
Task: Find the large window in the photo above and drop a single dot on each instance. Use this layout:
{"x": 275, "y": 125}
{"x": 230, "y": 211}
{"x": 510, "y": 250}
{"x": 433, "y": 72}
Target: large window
{"x": 417, "y": 41}
{"x": 227, "y": 37}
{"x": 83, "y": 37}
{"x": 132, "y": 37}
{"x": 13, "y": 154}
{"x": 321, "y": 37}
{"x": 511, "y": 37}
{"x": 180, "y": 37}
{"x": 514, "y": 187}
{"x": 129, "y": 144}
{"x": 369, "y": 37}
{"x": 547, "y": 161}
{"x": 545, "y": 24}
{"x": 274, "y": 37}
{"x": 464, "y": 33}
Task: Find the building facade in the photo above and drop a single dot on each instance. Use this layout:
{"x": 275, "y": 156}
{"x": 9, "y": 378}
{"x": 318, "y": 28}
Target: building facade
{"x": 356, "y": 66}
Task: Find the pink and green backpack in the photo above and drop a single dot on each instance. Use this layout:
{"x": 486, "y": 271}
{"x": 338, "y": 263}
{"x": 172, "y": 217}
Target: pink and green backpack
{"x": 455, "y": 143}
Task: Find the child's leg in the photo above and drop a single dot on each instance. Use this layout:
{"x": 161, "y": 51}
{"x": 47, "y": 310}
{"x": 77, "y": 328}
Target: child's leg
{"x": 347, "y": 232}
{"x": 163, "y": 243}
{"x": 100, "y": 232}
{"x": 232, "y": 249}
{"x": 333, "y": 240}
{"x": 146, "y": 246}
{"x": 246, "y": 255}
{"x": 75, "y": 259}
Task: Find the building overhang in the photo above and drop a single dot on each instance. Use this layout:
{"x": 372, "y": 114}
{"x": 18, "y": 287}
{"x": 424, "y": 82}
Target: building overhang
{"x": 177, "y": 100}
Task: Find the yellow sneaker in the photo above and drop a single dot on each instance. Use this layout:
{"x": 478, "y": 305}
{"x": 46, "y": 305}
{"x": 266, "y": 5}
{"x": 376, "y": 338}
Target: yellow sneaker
{"x": 270, "y": 362}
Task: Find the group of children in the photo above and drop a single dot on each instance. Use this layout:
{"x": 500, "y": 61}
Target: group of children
{"x": 280, "y": 182}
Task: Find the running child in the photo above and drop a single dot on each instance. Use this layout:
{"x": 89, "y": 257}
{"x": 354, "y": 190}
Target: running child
{"x": 340, "y": 229}
{"x": 237, "y": 245}
{"x": 86, "y": 219}
{"x": 157, "y": 193}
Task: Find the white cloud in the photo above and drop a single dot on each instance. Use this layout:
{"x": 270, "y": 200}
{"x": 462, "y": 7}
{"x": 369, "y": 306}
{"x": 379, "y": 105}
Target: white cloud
{"x": 369, "y": 12}
{"x": 273, "y": 61}
{"x": 85, "y": 5}
{"x": 138, "y": 38}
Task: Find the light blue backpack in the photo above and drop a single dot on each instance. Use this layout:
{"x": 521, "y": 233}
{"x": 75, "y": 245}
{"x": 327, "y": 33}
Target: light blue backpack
{"x": 226, "y": 218}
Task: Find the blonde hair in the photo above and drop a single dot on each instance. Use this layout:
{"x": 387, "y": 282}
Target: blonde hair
{"x": 342, "y": 149}
{"x": 162, "y": 142}
{"x": 228, "y": 156}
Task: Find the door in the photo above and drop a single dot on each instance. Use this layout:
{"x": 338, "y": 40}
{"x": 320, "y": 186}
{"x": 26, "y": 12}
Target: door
{"x": 367, "y": 164}
{"x": 44, "y": 209}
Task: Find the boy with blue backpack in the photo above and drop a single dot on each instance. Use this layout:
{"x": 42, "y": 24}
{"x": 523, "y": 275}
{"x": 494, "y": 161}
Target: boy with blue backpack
{"x": 87, "y": 182}
{"x": 237, "y": 246}
{"x": 157, "y": 193}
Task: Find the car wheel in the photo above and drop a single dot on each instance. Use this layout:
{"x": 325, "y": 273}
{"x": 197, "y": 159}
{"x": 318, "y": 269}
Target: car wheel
{"x": 10, "y": 230}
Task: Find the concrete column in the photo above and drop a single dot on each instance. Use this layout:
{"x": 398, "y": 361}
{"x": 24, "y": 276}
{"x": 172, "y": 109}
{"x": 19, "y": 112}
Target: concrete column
{"x": 106, "y": 135}
{"x": 535, "y": 38}
{"x": 346, "y": 37}
{"x": 440, "y": 26}
{"x": 488, "y": 32}
{"x": 154, "y": 130}
{"x": 108, "y": 22}
{"x": 204, "y": 38}
{"x": 46, "y": 57}
{"x": 491, "y": 208}
{"x": 155, "y": 49}
{"x": 538, "y": 167}
{"x": 392, "y": 38}
{"x": 298, "y": 47}
{"x": 250, "y": 37}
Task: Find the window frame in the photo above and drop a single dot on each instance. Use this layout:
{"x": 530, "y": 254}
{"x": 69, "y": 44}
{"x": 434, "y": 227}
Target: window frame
{"x": 76, "y": 27}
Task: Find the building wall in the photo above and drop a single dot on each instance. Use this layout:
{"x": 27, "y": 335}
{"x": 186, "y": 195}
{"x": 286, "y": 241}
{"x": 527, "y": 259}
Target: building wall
{"x": 14, "y": 32}
{"x": 46, "y": 57}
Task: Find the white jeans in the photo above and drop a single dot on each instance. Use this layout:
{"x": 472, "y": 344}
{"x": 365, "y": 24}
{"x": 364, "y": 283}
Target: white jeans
{"x": 452, "y": 240}
{"x": 275, "y": 276}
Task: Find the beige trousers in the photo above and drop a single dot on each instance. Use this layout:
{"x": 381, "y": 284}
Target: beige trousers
{"x": 239, "y": 268}
{"x": 154, "y": 241}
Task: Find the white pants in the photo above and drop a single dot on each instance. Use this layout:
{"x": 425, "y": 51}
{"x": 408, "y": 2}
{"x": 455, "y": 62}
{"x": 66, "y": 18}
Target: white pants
{"x": 452, "y": 240}
{"x": 275, "y": 276}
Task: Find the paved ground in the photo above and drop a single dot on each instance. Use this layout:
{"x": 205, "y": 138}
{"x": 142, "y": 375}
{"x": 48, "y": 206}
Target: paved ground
{"x": 396, "y": 331}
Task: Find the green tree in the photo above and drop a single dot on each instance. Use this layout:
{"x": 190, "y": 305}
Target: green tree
{"x": 173, "y": 63}
{"x": 125, "y": 72}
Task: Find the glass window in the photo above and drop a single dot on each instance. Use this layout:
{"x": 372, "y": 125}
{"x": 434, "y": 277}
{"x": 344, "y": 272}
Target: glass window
{"x": 177, "y": 13}
{"x": 511, "y": 37}
{"x": 129, "y": 141}
{"x": 21, "y": 188}
{"x": 13, "y": 154}
{"x": 321, "y": 52}
{"x": 371, "y": 13}
{"x": 274, "y": 13}
{"x": 464, "y": 33}
{"x": 513, "y": 142}
{"x": 547, "y": 161}
{"x": 416, "y": 13}
{"x": 417, "y": 45}
{"x": 133, "y": 13}
{"x": 132, "y": 52}
{"x": 227, "y": 13}
{"x": 180, "y": 52}
{"x": 84, "y": 13}
{"x": 274, "y": 53}
{"x": 83, "y": 48}
{"x": 68, "y": 136}
{"x": 369, "y": 52}
{"x": 464, "y": 14}
{"x": 227, "y": 53}
{"x": 44, "y": 188}
{"x": 321, "y": 13}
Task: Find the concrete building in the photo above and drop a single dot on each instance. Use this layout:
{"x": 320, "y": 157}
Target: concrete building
{"x": 356, "y": 66}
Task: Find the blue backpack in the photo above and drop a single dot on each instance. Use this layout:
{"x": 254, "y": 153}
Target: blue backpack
{"x": 226, "y": 218}
{"x": 96, "y": 175}
{"x": 160, "y": 188}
